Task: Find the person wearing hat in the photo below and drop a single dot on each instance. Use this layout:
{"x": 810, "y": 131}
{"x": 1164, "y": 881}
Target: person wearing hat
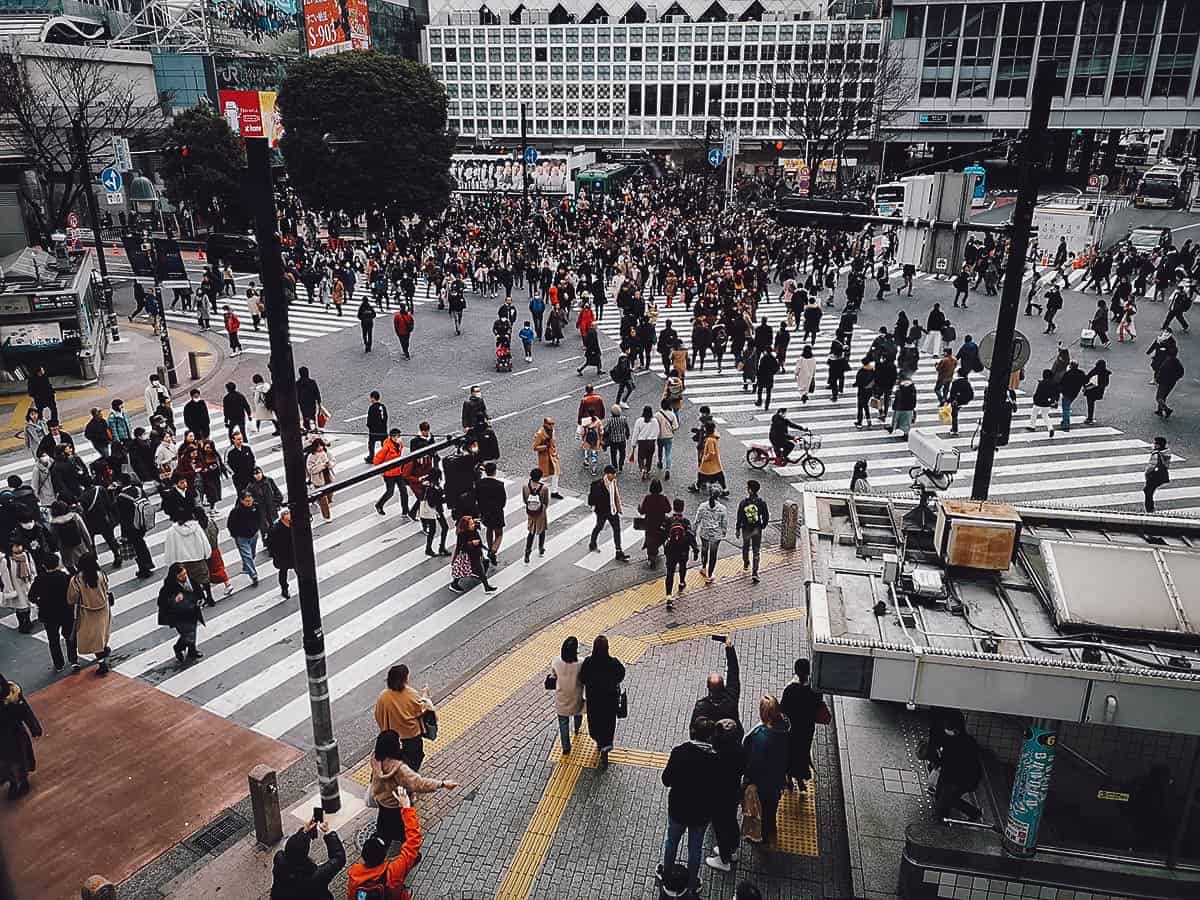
{"x": 296, "y": 875}
{"x": 375, "y": 870}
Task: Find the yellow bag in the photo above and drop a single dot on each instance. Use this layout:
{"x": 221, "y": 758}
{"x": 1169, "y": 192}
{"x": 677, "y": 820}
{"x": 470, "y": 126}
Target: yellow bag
{"x": 945, "y": 414}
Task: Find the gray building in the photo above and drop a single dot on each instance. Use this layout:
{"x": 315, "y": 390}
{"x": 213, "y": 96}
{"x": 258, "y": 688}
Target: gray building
{"x": 1121, "y": 64}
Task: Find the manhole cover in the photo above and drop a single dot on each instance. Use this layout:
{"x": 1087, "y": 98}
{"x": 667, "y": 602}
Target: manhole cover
{"x": 364, "y": 834}
{"x": 216, "y": 833}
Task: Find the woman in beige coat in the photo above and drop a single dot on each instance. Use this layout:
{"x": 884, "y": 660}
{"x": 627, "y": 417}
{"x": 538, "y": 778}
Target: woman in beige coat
{"x": 389, "y": 773}
{"x": 545, "y": 445}
{"x": 88, "y": 593}
{"x": 568, "y": 691}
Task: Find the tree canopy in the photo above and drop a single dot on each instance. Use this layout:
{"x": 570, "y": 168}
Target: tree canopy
{"x": 362, "y": 131}
{"x": 209, "y": 178}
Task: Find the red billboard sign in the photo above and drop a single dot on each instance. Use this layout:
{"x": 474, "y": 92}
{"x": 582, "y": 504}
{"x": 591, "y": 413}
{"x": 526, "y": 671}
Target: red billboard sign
{"x": 325, "y": 30}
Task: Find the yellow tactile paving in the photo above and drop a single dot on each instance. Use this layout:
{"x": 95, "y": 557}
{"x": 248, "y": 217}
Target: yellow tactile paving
{"x": 535, "y": 843}
{"x": 691, "y": 632}
{"x": 796, "y": 823}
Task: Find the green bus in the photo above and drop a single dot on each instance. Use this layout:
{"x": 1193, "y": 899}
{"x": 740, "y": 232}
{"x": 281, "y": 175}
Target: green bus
{"x": 604, "y": 179}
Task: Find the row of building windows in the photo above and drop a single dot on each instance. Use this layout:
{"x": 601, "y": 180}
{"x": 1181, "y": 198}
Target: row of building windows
{"x": 678, "y": 128}
{"x": 452, "y": 74}
{"x": 653, "y": 54}
{"x": 671, "y": 94}
{"x": 1004, "y": 40}
{"x": 751, "y": 32}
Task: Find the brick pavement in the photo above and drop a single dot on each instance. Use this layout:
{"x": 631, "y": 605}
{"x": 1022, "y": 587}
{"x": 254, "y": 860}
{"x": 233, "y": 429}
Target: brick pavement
{"x": 608, "y": 840}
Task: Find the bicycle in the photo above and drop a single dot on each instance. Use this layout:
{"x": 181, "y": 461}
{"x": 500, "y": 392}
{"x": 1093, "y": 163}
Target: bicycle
{"x": 760, "y": 455}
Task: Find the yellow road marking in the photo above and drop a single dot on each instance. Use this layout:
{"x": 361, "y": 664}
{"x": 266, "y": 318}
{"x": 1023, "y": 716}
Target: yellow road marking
{"x": 535, "y": 843}
{"x": 691, "y": 632}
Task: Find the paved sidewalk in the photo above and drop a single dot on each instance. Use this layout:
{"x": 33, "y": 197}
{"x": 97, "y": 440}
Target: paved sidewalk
{"x": 527, "y": 823}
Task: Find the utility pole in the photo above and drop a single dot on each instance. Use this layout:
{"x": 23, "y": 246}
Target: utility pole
{"x": 85, "y": 162}
{"x": 1031, "y": 160}
{"x": 524, "y": 165}
{"x": 283, "y": 380}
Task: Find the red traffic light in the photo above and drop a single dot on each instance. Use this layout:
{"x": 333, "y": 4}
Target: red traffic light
{"x": 183, "y": 151}
{"x": 779, "y": 146}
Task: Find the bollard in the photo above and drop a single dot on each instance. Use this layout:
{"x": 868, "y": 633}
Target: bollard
{"x": 162, "y": 377}
{"x": 98, "y": 888}
{"x": 264, "y": 801}
{"x": 194, "y": 363}
{"x": 789, "y": 524}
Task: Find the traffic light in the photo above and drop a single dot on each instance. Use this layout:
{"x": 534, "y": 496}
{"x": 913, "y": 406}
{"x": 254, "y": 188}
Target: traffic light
{"x": 779, "y": 146}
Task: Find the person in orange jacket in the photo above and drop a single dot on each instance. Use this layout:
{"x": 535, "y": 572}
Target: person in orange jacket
{"x": 393, "y": 448}
{"x": 374, "y": 870}
{"x": 402, "y": 321}
{"x": 586, "y": 318}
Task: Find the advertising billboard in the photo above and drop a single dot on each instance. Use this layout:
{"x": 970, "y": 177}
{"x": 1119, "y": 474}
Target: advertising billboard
{"x": 333, "y": 26}
{"x": 251, "y": 114}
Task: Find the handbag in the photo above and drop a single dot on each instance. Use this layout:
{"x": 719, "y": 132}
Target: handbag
{"x": 623, "y": 704}
{"x": 322, "y": 416}
{"x": 823, "y": 716}
{"x": 639, "y": 523}
{"x": 429, "y": 725}
{"x": 369, "y": 798}
{"x": 551, "y": 682}
{"x": 751, "y": 814}
{"x": 945, "y": 414}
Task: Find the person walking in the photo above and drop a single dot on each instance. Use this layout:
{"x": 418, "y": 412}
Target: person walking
{"x": 98, "y": 433}
{"x": 1071, "y": 383}
{"x": 680, "y": 539}
{"x": 136, "y": 517}
{"x": 320, "y": 467}
{"x": 262, "y": 401}
{"x": 668, "y": 424}
{"x": 236, "y": 409}
{"x": 545, "y": 445}
{"x": 244, "y": 526}
{"x": 904, "y": 409}
{"x": 805, "y": 709}
{"x": 400, "y": 708}
{"x": 366, "y": 320}
{"x": 752, "y": 518}
{"x": 48, "y": 593}
{"x": 645, "y": 436}
{"x": 377, "y": 425}
{"x": 403, "y": 324}
{"x": 308, "y": 396}
{"x": 279, "y": 545}
{"x": 233, "y": 325}
{"x": 18, "y": 729}
{"x": 960, "y": 771}
{"x": 1158, "y": 470}
{"x": 768, "y": 368}
{"x": 1094, "y": 388}
{"x": 68, "y": 530}
{"x": 601, "y": 675}
{"x": 568, "y": 691}
{"x": 432, "y": 513}
{"x": 18, "y": 569}
{"x": 711, "y": 525}
{"x": 1045, "y": 396}
{"x": 536, "y": 498}
{"x": 100, "y": 517}
{"x": 187, "y": 543}
{"x": 766, "y": 749}
{"x": 690, "y": 774}
{"x": 267, "y": 498}
{"x": 468, "y": 559}
{"x": 179, "y": 608}
{"x": 806, "y": 373}
{"x": 709, "y": 470}
{"x": 622, "y": 375}
{"x": 1169, "y": 374}
{"x": 491, "y": 496}
{"x": 604, "y": 497}
{"x": 41, "y": 391}
{"x": 393, "y": 478}
{"x": 961, "y": 393}
{"x": 385, "y": 787}
{"x": 1099, "y": 323}
{"x": 616, "y": 436}
{"x": 654, "y": 509}
{"x": 88, "y": 593}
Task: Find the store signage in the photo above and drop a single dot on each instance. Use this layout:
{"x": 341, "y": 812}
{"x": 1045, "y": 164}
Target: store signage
{"x": 251, "y": 114}
{"x": 51, "y": 302}
{"x": 331, "y": 26}
{"x": 33, "y": 336}
{"x": 933, "y": 118}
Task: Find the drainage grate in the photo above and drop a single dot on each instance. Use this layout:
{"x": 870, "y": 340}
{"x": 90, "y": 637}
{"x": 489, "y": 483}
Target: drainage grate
{"x": 226, "y": 826}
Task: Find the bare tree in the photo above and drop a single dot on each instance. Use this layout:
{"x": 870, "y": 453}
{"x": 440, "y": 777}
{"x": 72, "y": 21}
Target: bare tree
{"x": 58, "y": 103}
{"x": 823, "y": 104}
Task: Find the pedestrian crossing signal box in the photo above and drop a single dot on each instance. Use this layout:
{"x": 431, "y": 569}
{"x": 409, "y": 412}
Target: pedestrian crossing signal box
{"x": 975, "y": 534}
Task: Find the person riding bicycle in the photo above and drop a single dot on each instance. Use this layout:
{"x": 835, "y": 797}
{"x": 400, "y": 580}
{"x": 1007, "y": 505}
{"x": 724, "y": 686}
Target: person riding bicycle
{"x": 781, "y": 440}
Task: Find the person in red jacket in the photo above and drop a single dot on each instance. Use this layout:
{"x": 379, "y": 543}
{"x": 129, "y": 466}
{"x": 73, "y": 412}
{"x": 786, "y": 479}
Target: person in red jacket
{"x": 591, "y": 406}
{"x": 374, "y": 870}
{"x": 402, "y": 321}
{"x": 393, "y": 448}
{"x": 232, "y": 326}
{"x": 586, "y": 319}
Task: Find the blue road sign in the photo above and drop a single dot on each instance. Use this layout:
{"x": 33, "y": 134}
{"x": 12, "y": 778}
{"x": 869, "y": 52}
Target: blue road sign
{"x": 531, "y": 156}
{"x": 715, "y": 157}
{"x": 111, "y": 179}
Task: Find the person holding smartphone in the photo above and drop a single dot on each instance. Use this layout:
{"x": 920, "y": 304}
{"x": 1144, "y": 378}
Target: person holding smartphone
{"x": 296, "y": 875}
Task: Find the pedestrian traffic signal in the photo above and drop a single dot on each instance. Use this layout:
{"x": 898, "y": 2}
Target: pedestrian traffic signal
{"x": 779, "y": 146}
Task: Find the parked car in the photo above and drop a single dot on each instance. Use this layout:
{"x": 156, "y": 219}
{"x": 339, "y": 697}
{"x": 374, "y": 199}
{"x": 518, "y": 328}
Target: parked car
{"x": 239, "y": 250}
{"x": 1149, "y": 238}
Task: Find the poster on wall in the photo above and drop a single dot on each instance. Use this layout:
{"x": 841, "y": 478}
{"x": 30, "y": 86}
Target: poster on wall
{"x": 360, "y": 24}
{"x": 31, "y": 336}
{"x": 251, "y": 114}
{"x": 327, "y": 27}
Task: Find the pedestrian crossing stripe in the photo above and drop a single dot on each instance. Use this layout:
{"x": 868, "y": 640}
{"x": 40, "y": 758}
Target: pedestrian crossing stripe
{"x": 253, "y": 668}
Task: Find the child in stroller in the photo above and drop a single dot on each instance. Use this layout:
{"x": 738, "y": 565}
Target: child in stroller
{"x": 503, "y": 354}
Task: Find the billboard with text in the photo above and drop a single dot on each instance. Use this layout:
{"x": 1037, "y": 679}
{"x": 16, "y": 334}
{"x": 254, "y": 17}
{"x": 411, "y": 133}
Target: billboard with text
{"x": 333, "y": 26}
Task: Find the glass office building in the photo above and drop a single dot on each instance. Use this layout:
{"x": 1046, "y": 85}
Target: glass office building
{"x": 585, "y": 76}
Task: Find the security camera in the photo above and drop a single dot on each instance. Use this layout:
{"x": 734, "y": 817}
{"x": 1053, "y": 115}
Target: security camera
{"x": 933, "y": 454}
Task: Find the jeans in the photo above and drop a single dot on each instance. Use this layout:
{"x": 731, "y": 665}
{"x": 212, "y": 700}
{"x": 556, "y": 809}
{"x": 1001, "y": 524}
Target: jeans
{"x": 673, "y": 565}
{"x": 695, "y": 851}
{"x": 591, "y": 458}
{"x": 664, "y": 453}
{"x": 751, "y": 540}
{"x": 1066, "y": 414}
{"x": 624, "y": 390}
{"x": 564, "y": 730}
{"x": 708, "y": 556}
{"x": 247, "y": 548}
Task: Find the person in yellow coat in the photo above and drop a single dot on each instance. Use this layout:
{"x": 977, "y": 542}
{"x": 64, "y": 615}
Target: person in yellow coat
{"x": 88, "y": 593}
{"x": 545, "y": 445}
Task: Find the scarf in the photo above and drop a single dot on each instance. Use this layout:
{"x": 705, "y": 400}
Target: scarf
{"x": 24, "y": 569}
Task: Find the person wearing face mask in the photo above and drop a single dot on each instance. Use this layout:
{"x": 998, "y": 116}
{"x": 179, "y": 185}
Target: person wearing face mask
{"x": 89, "y": 595}
{"x": 17, "y": 572}
{"x": 179, "y": 608}
{"x": 545, "y": 445}
{"x": 711, "y": 525}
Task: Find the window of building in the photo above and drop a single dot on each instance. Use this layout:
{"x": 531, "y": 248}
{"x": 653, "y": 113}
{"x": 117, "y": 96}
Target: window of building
{"x": 1096, "y": 42}
{"x": 635, "y": 99}
{"x": 556, "y": 54}
{"x": 943, "y": 32}
{"x": 1059, "y": 22}
{"x": 1134, "y": 47}
{"x": 714, "y": 100}
{"x": 1177, "y": 51}
{"x": 526, "y": 54}
{"x": 635, "y": 54}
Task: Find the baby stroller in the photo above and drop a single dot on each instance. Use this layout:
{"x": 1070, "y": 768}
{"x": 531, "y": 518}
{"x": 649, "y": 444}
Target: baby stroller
{"x": 503, "y": 355}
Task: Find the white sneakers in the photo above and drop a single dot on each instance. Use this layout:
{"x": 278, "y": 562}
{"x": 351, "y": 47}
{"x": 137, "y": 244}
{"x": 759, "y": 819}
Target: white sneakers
{"x": 715, "y": 862}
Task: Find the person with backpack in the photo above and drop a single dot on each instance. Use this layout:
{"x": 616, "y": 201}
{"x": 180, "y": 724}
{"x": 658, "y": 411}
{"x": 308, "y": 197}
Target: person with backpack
{"x": 536, "y": 497}
{"x": 374, "y": 877}
{"x": 961, "y": 393}
{"x": 96, "y": 505}
{"x": 752, "y": 518}
{"x": 295, "y": 876}
{"x": 591, "y": 442}
{"x": 680, "y": 539}
{"x": 136, "y": 516}
{"x": 622, "y": 376}
{"x": 70, "y": 533}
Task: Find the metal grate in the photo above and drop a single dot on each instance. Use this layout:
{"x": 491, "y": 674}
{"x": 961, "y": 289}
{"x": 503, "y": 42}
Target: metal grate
{"x": 226, "y": 826}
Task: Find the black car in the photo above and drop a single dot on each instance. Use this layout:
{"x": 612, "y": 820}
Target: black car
{"x": 239, "y": 250}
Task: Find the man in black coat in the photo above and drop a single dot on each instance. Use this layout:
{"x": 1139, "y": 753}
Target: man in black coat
{"x": 295, "y": 876}
{"x": 129, "y": 499}
{"x": 1071, "y": 384}
{"x": 377, "y": 424}
{"x": 473, "y": 409}
{"x": 604, "y": 497}
{"x": 195, "y": 415}
{"x": 691, "y": 771}
{"x": 279, "y": 543}
{"x": 236, "y": 409}
{"x": 491, "y": 497}
{"x": 1170, "y": 371}
{"x": 768, "y": 368}
{"x": 308, "y": 396}
{"x": 180, "y": 500}
{"x": 49, "y": 594}
{"x": 97, "y": 507}
{"x": 724, "y": 693}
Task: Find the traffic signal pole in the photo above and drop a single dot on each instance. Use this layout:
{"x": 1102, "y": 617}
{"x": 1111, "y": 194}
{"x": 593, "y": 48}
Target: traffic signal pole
{"x": 1031, "y": 160}
{"x": 85, "y": 161}
{"x": 283, "y": 380}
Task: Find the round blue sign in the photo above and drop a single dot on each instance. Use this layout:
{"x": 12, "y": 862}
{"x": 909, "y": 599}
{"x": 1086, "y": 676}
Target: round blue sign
{"x": 531, "y": 155}
{"x": 111, "y": 179}
{"x": 715, "y": 157}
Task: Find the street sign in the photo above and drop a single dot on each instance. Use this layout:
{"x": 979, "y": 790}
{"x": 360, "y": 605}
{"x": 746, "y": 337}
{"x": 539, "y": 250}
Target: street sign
{"x": 111, "y": 179}
{"x": 122, "y": 159}
{"x": 1021, "y": 350}
{"x": 531, "y": 156}
{"x": 1099, "y": 182}
{"x": 72, "y": 220}
{"x": 115, "y": 198}
{"x": 715, "y": 157}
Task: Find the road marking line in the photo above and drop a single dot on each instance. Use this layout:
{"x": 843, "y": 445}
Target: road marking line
{"x": 421, "y": 400}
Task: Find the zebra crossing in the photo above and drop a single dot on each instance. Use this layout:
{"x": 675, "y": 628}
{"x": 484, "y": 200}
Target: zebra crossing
{"x": 383, "y": 600}
{"x": 1092, "y": 466}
